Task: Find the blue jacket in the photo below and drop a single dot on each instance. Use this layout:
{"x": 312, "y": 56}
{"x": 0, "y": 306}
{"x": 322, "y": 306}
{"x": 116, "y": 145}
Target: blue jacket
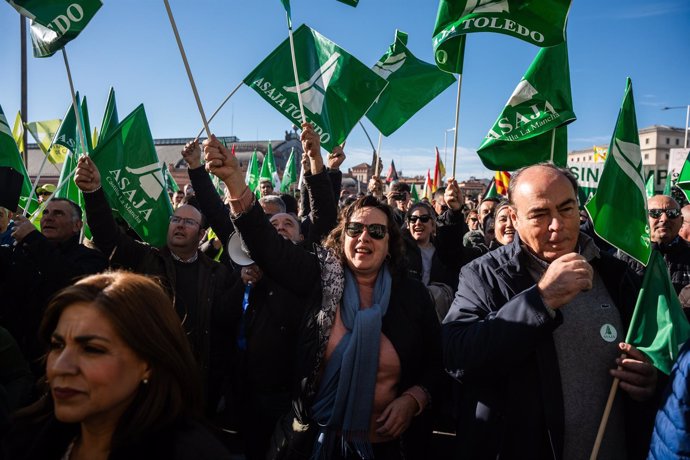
{"x": 671, "y": 436}
{"x": 498, "y": 342}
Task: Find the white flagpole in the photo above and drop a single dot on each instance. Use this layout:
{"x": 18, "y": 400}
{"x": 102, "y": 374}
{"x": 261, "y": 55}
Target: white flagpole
{"x": 232, "y": 93}
{"x": 294, "y": 70}
{"x": 457, "y": 119}
{"x": 553, "y": 142}
{"x": 74, "y": 103}
{"x": 378, "y": 157}
{"x": 186, "y": 65}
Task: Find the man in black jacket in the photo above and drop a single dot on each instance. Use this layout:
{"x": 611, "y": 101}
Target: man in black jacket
{"x": 198, "y": 285}
{"x": 535, "y": 332}
{"x": 42, "y": 263}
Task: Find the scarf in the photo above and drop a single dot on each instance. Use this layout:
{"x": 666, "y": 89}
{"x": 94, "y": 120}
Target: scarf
{"x": 345, "y": 398}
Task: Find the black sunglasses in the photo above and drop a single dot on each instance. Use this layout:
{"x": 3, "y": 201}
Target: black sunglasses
{"x": 424, "y": 218}
{"x": 376, "y": 231}
{"x": 670, "y": 213}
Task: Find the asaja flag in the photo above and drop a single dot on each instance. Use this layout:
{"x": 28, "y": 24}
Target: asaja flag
{"x": 337, "y": 89}
{"x": 11, "y": 159}
{"x": 658, "y": 328}
{"x": 43, "y": 133}
{"x": 527, "y": 131}
{"x": 412, "y": 84}
{"x": 352, "y": 3}
{"x": 170, "y": 183}
{"x": 290, "y": 175}
{"x": 110, "y": 119}
{"x": 286, "y": 5}
{"x": 272, "y": 169}
{"x": 539, "y": 22}
{"x": 414, "y": 196}
{"x": 252, "y": 178}
{"x": 55, "y": 22}
{"x": 67, "y": 134}
{"x": 619, "y": 207}
{"x": 18, "y": 132}
{"x": 649, "y": 186}
{"x": 132, "y": 178}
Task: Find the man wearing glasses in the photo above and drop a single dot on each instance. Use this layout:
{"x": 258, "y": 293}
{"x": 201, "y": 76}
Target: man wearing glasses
{"x": 198, "y": 286}
{"x": 665, "y": 222}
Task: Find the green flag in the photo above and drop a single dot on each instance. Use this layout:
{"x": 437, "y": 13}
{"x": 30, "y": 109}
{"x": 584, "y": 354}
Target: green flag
{"x": 491, "y": 191}
{"x": 412, "y": 84}
{"x": 43, "y": 133}
{"x": 658, "y": 328}
{"x": 619, "y": 207}
{"x": 10, "y": 157}
{"x": 170, "y": 183}
{"x": 337, "y": 89}
{"x": 352, "y": 3}
{"x": 272, "y": 170}
{"x": 290, "y": 175}
{"x": 67, "y": 134}
{"x": 414, "y": 195}
{"x": 132, "y": 178}
{"x": 56, "y": 22}
{"x": 286, "y": 5}
{"x": 669, "y": 183}
{"x": 86, "y": 124}
{"x": 528, "y": 129}
{"x": 649, "y": 186}
{"x": 539, "y": 22}
{"x": 110, "y": 119}
{"x": 252, "y": 178}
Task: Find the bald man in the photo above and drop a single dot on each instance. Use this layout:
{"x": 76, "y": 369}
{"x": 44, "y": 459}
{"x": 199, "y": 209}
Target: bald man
{"x": 665, "y": 223}
{"x": 535, "y": 334}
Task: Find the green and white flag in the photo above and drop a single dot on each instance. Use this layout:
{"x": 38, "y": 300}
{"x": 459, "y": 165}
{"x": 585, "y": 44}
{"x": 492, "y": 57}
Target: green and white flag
{"x": 252, "y": 178}
{"x": 337, "y": 89}
{"x": 110, "y": 119}
{"x": 170, "y": 183}
{"x": 290, "y": 175}
{"x": 54, "y": 23}
{"x": 412, "y": 84}
{"x": 414, "y": 195}
{"x": 532, "y": 123}
{"x": 658, "y": 328}
{"x": 649, "y": 186}
{"x": 132, "y": 178}
{"x": 619, "y": 207}
{"x": 269, "y": 170}
{"x": 352, "y": 3}
{"x": 539, "y": 22}
{"x": 10, "y": 158}
{"x": 286, "y": 5}
{"x": 67, "y": 134}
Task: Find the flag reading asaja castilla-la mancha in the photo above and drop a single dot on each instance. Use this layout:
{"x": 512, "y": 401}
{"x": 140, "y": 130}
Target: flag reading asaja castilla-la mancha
{"x": 336, "y": 88}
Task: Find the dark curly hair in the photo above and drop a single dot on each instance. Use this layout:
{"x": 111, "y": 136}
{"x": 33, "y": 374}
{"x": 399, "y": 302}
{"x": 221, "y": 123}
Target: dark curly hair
{"x": 335, "y": 239}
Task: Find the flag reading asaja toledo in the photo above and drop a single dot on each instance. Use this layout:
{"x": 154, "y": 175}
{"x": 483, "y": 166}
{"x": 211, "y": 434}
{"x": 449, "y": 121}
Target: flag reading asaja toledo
{"x": 336, "y": 88}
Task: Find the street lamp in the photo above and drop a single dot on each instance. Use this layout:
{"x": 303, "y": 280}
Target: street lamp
{"x": 445, "y": 146}
{"x": 687, "y": 119}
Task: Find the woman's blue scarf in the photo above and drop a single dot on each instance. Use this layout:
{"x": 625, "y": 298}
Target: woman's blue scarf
{"x": 345, "y": 398}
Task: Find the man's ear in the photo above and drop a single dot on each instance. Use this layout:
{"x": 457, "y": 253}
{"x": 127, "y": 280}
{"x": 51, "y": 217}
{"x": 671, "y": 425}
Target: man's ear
{"x": 513, "y": 216}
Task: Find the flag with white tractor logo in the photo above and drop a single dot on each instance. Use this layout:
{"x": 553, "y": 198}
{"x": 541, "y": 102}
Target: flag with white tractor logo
{"x": 336, "y": 88}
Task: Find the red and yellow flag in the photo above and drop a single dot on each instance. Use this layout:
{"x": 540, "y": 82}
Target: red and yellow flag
{"x": 502, "y": 182}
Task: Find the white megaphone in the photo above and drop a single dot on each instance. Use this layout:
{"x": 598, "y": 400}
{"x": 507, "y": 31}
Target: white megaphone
{"x": 237, "y": 252}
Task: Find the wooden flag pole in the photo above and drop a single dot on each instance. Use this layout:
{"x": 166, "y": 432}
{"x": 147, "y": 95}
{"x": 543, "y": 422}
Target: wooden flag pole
{"x": 232, "y": 93}
{"x": 74, "y": 103}
{"x": 186, "y": 66}
{"x": 553, "y": 142}
{"x": 457, "y": 118}
{"x": 378, "y": 157}
{"x": 294, "y": 70}
{"x": 605, "y": 419}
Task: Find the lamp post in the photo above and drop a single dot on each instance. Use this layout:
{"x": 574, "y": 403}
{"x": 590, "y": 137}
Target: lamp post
{"x": 687, "y": 120}
{"x": 445, "y": 145}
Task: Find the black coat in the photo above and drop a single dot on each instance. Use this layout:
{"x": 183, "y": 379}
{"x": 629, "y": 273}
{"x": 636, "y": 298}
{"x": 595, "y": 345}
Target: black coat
{"x": 498, "y": 342}
{"x": 677, "y": 257}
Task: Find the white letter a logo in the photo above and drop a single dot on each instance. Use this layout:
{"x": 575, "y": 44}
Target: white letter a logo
{"x": 314, "y": 90}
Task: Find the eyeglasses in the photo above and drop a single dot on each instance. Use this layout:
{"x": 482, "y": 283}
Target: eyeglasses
{"x": 424, "y": 218}
{"x": 376, "y": 231}
{"x": 473, "y": 219}
{"x": 184, "y": 221}
{"x": 670, "y": 213}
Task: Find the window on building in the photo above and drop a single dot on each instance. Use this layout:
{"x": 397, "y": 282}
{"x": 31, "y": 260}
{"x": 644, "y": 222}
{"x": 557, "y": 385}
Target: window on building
{"x": 677, "y": 141}
{"x": 590, "y": 158}
{"x": 646, "y": 141}
{"x": 646, "y": 156}
{"x": 668, "y": 140}
{"x": 667, "y": 156}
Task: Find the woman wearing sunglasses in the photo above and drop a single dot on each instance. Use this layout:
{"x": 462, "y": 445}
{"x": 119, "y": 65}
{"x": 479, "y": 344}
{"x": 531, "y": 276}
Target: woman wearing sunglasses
{"x": 370, "y": 348}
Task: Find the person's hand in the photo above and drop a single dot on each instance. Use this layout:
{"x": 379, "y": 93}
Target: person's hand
{"x": 397, "y": 416}
{"x": 251, "y": 274}
{"x": 311, "y": 143}
{"x": 565, "y": 278}
{"x": 453, "y": 195}
{"x": 22, "y": 227}
{"x": 306, "y": 165}
{"x": 219, "y": 161}
{"x": 87, "y": 177}
{"x": 336, "y": 157}
{"x": 375, "y": 186}
{"x": 192, "y": 154}
{"x": 637, "y": 375}
{"x": 215, "y": 242}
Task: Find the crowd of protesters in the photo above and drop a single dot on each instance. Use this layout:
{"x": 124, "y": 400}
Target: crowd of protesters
{"x": 345, "y": 326}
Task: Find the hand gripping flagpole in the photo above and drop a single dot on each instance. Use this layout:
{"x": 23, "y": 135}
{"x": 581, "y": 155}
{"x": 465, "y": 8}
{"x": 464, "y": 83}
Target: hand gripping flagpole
{"x": 294, "y": 70}
{"x": 77, "y": 115}
{"x": 186, "y": 66}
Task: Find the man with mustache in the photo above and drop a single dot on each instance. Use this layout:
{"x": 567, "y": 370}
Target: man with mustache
{"x": 665, "y": 221}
